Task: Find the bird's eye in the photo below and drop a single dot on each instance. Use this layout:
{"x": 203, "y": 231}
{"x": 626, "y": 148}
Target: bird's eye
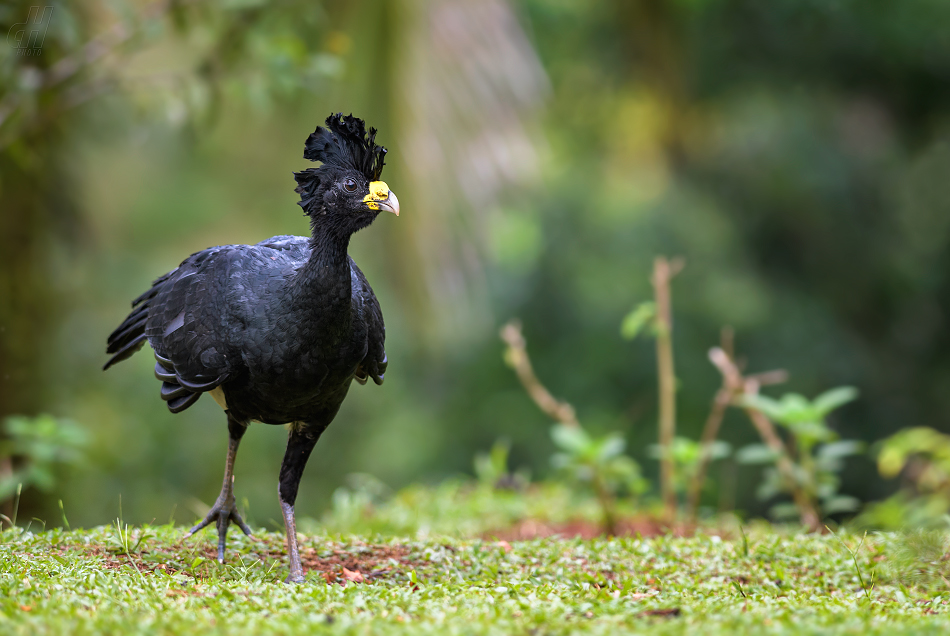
{"x": 349, "y": 185}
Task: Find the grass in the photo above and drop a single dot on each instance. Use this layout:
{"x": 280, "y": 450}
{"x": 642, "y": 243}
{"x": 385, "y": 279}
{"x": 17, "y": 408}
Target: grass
{"x": 129, "y": 580}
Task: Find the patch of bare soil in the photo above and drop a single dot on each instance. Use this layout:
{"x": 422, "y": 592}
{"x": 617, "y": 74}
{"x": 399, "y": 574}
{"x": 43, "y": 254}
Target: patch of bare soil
{"x": 359, "y": 566}
{"x": 353, "y": 564}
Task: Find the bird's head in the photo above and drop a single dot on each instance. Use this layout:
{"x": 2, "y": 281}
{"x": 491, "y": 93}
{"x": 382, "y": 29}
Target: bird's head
{"x": 344, "y": 193}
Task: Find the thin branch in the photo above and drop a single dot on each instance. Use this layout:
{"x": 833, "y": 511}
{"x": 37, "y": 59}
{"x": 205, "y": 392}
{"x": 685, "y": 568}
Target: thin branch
{"x": 517, "y": 357}
{"x": 717, "y": 412}
{"x": 740, "y": 387}
{"x": 663, "y": 273}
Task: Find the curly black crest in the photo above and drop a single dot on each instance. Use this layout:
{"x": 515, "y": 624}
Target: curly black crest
{"x": 344, "y": 144}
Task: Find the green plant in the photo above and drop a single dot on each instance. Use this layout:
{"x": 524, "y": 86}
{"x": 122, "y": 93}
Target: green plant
{"x": 600, "y": 463}
{"x": 31, "y": 448}
{"x": 815, "y": 452}
{"x": 921, "y": 456}
{"x": 866, "y": 586}
{"x": 924, "y": 447}
{"x": 124, "y": 540}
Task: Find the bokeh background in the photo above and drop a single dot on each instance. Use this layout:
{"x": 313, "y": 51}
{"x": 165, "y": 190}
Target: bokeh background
{"x": 793, "y": 152}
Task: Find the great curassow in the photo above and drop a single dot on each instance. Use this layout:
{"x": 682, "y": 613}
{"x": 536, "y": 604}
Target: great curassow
{"x": 275, "y": 332}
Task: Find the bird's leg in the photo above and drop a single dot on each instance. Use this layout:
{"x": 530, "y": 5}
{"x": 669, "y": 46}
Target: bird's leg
{"x": 300, "y": 443}
{"x": 223, "y": 512}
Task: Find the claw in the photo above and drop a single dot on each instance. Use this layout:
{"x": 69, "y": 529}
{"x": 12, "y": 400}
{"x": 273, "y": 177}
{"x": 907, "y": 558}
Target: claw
{"x": 222, "y": 516}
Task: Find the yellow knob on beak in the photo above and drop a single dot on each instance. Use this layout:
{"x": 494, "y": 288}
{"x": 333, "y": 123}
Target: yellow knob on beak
{"x": 381, "y": 198}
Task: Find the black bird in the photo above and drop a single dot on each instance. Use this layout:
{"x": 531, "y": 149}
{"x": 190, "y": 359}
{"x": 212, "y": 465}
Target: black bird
{"x": 276, "y": 331}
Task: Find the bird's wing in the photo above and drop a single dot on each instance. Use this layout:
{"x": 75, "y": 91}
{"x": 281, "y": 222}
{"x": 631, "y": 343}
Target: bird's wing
{"x": 374, "y": 362}
{"x": 201, "y": 306}
{"x": 188, "y": 320}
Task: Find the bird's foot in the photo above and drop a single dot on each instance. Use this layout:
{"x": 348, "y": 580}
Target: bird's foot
{"x": 295, "y": 578}
{"x": 222, "y": 514}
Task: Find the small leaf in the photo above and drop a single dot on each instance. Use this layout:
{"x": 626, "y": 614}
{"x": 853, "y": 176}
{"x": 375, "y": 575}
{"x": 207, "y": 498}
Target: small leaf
{"x": 796, "y": 408}
{"x": 830, "y": 400}
{"x": 784, "y": 510}
{"x": 572, "y": 439}
{"x": 843, "y": 448}
{"x": 840, "y": 503}
{"x": 756, "y": 454}
{"x": 612, "y": 446}
{"x": 773, "y": 409}
{"x": 810, "y": 430}
{"x": 352, "y": 575}
{"x": 636, "y": 320}
{"x": 719, "y": 450}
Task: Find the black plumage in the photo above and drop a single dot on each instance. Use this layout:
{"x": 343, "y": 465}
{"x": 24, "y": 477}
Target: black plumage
{"x": 275, "y": 331}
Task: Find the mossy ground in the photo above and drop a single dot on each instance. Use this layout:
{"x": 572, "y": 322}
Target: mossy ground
{"x": 766, "y": 581}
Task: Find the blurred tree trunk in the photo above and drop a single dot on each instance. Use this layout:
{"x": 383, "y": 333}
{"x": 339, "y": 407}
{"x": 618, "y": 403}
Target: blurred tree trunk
{"x": 28, "y": 307}
{"x": 657, "y": 60}
{"x": 37, "y": 216}
{"x": 463, "y": 88}
{"x": 32, "y": 189}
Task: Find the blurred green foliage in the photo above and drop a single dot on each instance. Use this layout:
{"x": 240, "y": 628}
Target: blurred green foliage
{"x": 34, "y": 449}
{"x": 921, "y": 456}
{"x": 687, "y": 456}
{"x": 793, "y": 153}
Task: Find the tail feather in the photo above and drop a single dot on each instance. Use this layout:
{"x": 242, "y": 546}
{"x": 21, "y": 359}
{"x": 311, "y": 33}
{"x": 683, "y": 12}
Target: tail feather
{"x": 130, "y": 336}
{"x": 126, "y": 352}
{"x": 139, "y": 314}
{"x": 179, "y": 394}
{"x": 163, "y": 374}
{"x": 153, "y": 290}
{"x": 171, "y": 391}
{"x": 179, "y": 404}
{"x": 119, "y": 339}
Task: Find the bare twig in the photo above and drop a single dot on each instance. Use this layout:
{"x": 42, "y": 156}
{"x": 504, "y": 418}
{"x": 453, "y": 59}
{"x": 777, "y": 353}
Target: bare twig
{"x": 663, "y": 273}
{"x": 739, "y": 387}
{"x": 721, "y": 402}
{"x": 723, "y": 398}
{"x": 517, "y": 357}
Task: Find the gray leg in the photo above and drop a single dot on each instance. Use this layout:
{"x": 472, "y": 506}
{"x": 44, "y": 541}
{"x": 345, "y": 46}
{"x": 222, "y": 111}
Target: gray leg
{"x": 293, "y": 552}
{"x": 223, "y": 512}
{"x": 300, "y": 443}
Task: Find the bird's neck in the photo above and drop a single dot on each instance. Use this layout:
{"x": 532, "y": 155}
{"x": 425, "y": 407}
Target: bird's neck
{"x": 325, "y": 279}
{"x": 328, "y": 247}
